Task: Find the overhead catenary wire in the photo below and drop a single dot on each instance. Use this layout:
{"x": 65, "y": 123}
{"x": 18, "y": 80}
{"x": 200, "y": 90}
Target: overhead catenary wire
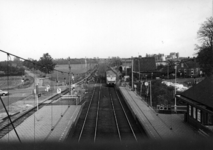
{"x": 29, "y": 61}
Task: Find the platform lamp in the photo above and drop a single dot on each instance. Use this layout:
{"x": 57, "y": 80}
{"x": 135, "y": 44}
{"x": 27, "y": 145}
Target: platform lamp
{"x": 132, "y": 72}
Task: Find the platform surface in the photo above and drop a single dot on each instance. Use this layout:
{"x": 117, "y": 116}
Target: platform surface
{"x": 158, "y": 126}
{"x": 49, "y": 124}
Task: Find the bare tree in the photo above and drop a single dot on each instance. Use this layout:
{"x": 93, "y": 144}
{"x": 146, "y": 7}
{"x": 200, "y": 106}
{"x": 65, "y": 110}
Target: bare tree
{"x": 205, "y": 51}
{"x": 205, "y": 33}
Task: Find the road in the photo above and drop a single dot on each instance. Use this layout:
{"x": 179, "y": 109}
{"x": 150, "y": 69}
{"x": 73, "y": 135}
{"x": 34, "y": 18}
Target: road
{"x": 18, "y": 94}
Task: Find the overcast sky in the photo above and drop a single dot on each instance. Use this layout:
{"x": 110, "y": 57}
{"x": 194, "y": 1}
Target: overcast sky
{"x": 100, "y": 28}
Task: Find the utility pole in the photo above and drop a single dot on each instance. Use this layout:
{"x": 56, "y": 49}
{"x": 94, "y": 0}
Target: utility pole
{"x": 132, "y": 72}
{"x": 126, "y": 67}
{"x": 139, "y": 69}
{"x": 175, "y": 106}
{"x": 167, "y": 69}
{"x": 151, "y": 93}
{"x": 70, "y": 89}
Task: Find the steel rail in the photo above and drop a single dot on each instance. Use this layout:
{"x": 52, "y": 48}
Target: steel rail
{"x": 116, "y": 121}
{"x": 126, "y": 116}
{"x": 79, "y": 138}
{"x": 96, "y": 122}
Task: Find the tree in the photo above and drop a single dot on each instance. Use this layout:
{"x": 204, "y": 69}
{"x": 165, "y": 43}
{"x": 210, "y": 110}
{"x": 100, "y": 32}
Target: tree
{"x": 161, "y": 93}
{"x": 205, "y": 54}
{"x": 31, "y": 63}
{"x": 205, "y": 33}
{"x": 205, "y": 59}
{"x": 17, "y": 61}
{"x": 46, "y": 64}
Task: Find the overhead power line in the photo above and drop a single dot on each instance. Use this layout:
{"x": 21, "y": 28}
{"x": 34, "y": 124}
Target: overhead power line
{"x": 30, "y": 61}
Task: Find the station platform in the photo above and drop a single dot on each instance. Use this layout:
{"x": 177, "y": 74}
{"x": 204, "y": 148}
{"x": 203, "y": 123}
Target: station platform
{"x": 48, "y": 124}
{"x": 158, "y": 126}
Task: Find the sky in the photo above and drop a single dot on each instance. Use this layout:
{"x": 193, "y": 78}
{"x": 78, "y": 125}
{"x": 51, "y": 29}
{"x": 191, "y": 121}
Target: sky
{"x": 101, "y": 28}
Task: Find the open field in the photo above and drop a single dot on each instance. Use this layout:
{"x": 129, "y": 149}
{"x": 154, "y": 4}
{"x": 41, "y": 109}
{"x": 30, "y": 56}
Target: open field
{"x": 76, "y": 69}
{"x": 10, "y": 82}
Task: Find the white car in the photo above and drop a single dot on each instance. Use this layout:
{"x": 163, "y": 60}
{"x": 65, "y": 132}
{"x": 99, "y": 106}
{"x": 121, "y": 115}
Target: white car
{"x": 3, "y": 93}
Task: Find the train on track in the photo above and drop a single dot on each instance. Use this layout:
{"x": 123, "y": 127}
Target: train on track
{"x": 111, "y": 78}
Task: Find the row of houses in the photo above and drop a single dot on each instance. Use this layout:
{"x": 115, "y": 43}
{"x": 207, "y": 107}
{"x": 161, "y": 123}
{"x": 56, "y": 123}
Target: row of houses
{"x": 186, "y": 67}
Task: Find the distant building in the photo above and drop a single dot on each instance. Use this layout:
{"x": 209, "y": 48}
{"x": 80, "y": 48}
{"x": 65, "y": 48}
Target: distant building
{"x": 126, "y": 65}
{"x": 172, "y": 55}
{"x": 199, "y": 102}
{"x": 158, "y": 57}
{"x": 144, "y": 64}
{"x": 162, "y": 59}
{"x": 189, "y": 68}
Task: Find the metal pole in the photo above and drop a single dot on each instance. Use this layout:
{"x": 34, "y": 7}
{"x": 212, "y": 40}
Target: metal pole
{"x": 175, "y": 88}
{"x": 10, "y": 120}
{"x": 139, "y": 68}
{"x": 126, "y": 68}
{"x": 69, "y": 78}
{"x": 132, "y": 72}
{"x": 37, "y": 100}
{"x": 167, "y": 70}
{"x": 150, "y": 93}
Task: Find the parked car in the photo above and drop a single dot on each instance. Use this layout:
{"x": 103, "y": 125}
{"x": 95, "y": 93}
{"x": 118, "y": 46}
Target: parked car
{"x": 3, "y": 93}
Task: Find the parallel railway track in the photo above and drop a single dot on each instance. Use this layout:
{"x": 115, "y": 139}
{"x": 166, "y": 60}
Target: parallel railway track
{"x": 106, "y": 117}
{"x": 124, "y": 127}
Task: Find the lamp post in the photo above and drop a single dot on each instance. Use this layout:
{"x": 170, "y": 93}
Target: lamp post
{"x": 167, "y": 69}
{"x": 175, "y": 106}
{"x": 139, "y": 68}
{"x": 132, "y": 73}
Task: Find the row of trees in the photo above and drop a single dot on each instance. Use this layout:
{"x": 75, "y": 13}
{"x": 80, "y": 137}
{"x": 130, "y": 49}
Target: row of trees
{"x": 16, "y": 67}
{"x": 75, "y": 61}
{"x": 115, "y": 61}
{"x": 8, "y": 68}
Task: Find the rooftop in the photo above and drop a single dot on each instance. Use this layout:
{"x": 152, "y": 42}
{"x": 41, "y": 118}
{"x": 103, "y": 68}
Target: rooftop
{"x": 146, "y": 64}
{"x": 202, "y": 92}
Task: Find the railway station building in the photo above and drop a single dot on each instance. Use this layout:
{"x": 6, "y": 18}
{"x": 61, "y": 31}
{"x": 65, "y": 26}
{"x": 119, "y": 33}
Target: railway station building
{"x": 199, "y": 102}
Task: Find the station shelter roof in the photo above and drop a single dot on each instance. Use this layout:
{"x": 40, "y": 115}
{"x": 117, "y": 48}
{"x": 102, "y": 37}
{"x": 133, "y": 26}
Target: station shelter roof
{"x": 201, "y": 92}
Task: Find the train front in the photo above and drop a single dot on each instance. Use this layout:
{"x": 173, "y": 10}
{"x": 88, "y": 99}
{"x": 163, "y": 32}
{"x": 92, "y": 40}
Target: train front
{"x": 110, "y": 78}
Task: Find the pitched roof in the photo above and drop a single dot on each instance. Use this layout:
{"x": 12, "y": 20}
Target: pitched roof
{"x": 202, "y": 92}
{"x": 147, "y": 64}
{"x": 188, "y": 64}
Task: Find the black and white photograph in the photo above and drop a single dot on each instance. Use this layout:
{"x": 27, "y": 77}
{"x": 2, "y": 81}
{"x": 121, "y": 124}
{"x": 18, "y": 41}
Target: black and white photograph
{"x": 106, "y": 74}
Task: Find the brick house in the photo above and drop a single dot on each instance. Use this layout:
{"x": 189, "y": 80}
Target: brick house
{"x": 189, "y": 68}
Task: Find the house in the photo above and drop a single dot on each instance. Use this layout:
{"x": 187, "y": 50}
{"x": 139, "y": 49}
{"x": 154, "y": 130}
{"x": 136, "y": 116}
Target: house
{"x": 144, "y": 64}
{"x": 189, "y": 68}
{"x": 199, "y": 102}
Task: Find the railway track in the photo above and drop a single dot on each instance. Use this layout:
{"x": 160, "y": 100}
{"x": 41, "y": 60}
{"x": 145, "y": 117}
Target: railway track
{"x": 130, "y": 129}
{"x": 124, "y": 127}
{"x": 106, "y": 117}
